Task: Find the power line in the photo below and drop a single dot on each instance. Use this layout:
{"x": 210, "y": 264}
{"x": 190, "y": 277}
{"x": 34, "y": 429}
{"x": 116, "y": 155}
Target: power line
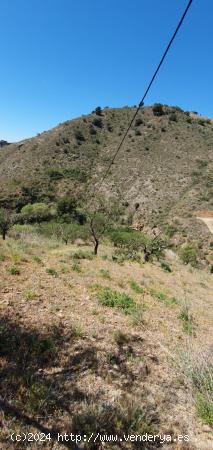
{"x": 144, "y": 96}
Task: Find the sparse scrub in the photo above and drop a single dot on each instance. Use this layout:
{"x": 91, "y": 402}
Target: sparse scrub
{"x": 111, "y": 298}
{"x": 76, "y": 266}
{"x": 138, "y": 122}
{"x": 198, "y": 368}
{"x": 78, "y": 332}
{"x": 30, "y": 294}
{"x": 79, "y": 136}
{"x": 188, "y": 255}
{"x": 135, "y": 287}
{"x": 173, "y": 117}
{"x": 52, "y": 271}
{"x": 37, "y": 259}
{"x": 82, "y": 255}
{"x": 13, "y": 270}
{"x": 169, "y": 301}
{"x": 187, "y": 319}
{"x": 171, "y": 229}
{"x": 121, "y": 417}
{"x": 165, "y": 266}
{"x": 97, "y": 121}
{"x": 105, "y": 274}
{"x": 137, "y": 315}
{"x": 120, "y": 337}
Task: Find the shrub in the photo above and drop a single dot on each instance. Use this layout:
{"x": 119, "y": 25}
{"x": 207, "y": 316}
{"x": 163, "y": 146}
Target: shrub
{"x": 123, "y": 417}
{"x": 35, "y": 212}
{"x": 52, "y": 272}
{"x": 75, "y": 174}
{"x": 111, "y": 298}
{"x": 138, "y": 122}
{"x": 66, "y": 206}
{"x": 13, "y": 270}
{"x": 171, "y": 230}
{"x": 187, "y": 319}
{"x": 82, "y": 255}
{"x": 105, "y": 273}
{"x": 79, "y": 135}
{"x": 188, "y": 255}
{"x": 204, "y": 408}
{"x": 137, "y": 132}
{"x": 97, "y": 121}
{"x": 55, "y": 174}
{"x": 173, "y": 117}
{"x": 120, "y": 337}
{"x": 165, "y": 266}
{"x": 158, "y": 109}
{"x": 199, "y": 368}
{"x": 92, "y": 130}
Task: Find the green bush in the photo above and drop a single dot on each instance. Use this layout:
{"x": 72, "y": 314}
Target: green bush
{"x": 35, "y": 212}
{"x": 204, "y": 408}
{"x": 13, "y": 270}
{"x": 111, "y": 298}
{"x": 171, "y": 230}
{"x": 165, "y": 266}
{"x": 188, "y": 255}
{"x": 52, "y": 272}
{"x": 79, "y": 135}
{"x": 97, "y": 121}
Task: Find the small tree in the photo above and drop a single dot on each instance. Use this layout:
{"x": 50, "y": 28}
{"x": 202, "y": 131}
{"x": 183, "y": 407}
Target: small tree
{"x": 100, "y": 219}
{"x": 98, "y": 225}
{"x": 5, "y": 222}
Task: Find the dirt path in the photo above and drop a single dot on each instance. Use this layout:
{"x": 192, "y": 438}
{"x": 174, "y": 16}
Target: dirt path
{"x": 208, "y": 221}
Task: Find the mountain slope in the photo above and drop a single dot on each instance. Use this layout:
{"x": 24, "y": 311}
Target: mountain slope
{"x": 165, "y": 164}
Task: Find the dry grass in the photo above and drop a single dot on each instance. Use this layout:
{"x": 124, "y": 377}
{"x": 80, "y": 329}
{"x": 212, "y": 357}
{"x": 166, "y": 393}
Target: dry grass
{"x": 64, "y": 355}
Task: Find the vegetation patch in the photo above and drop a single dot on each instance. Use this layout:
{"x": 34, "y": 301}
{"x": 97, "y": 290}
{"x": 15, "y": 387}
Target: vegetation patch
{"x": 135, "y": 287}
{"x": 52, "y": 271}
{"x": 187, "y": 320}
{"x": 13, "y": 270}
{"x": 111, "y": 298}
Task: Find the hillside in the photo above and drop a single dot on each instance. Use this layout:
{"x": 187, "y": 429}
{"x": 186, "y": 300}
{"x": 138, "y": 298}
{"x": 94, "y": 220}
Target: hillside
{"x": 114, "y": 345}
{"x": 165, "y": 165}
{"x": 71, "y": 362}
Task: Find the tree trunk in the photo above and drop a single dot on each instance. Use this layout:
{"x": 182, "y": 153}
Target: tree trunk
{"x": 96, "y": 247}
{"x": 3, "y": 235}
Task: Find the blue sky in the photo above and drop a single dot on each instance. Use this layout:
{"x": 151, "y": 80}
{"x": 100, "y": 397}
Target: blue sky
{"x": 62, "y": 58}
